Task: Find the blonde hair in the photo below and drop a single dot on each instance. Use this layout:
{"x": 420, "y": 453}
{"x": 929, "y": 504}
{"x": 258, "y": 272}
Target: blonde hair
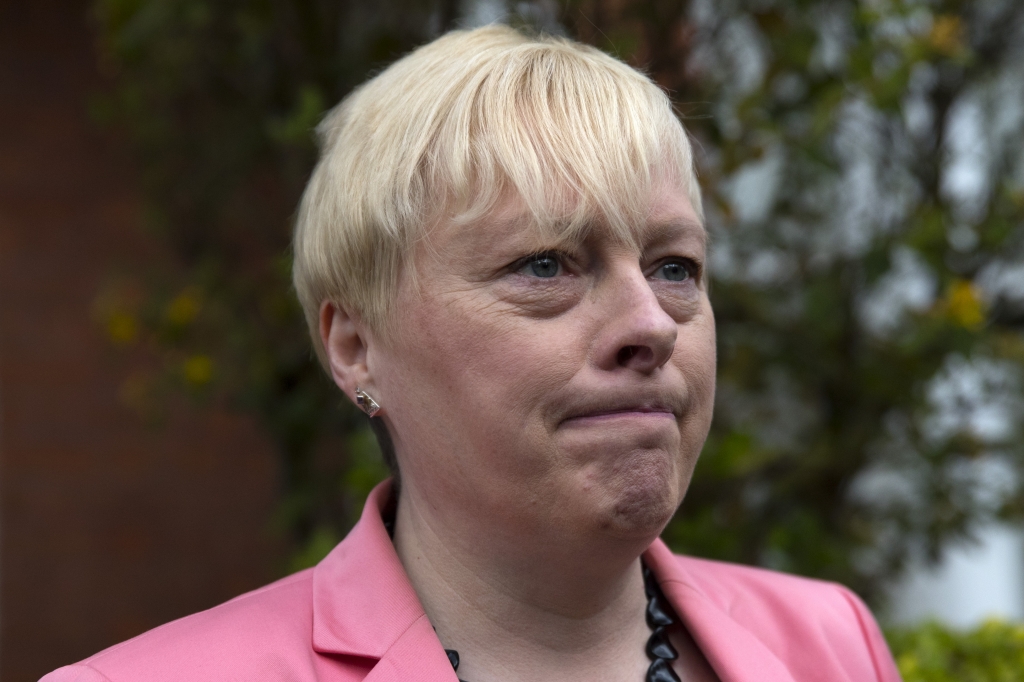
{"x": 458, "y": 126}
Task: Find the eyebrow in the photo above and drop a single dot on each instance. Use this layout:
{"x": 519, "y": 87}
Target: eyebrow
{"x": 663, "y": 229}
{"x": 655, "y": 230}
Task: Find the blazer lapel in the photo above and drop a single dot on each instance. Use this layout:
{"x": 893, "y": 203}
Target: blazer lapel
{"x": 735, "y": 653}
{"x": 364, "y": 606}
{"x": 416, "y": 655}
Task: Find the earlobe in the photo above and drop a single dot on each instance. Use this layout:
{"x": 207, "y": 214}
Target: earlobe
{"x": 344, "y": 343}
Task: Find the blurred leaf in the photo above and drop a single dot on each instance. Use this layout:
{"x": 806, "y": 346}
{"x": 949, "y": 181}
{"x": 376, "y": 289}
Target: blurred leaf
{"x": 992, "y": 652}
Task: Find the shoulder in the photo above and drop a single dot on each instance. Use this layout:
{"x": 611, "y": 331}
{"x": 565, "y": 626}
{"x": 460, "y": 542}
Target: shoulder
{"x": 264, "y": 632}
{"x": 733, "y": 585}
{"x": 802, "y": 620}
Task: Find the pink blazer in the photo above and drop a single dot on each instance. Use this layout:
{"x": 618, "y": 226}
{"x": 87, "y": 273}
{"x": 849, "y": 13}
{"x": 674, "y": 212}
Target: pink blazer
{"x": 356, "y": 617}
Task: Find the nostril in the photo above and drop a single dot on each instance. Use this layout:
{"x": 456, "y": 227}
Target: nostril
{"x": 641, "y": 358}
{"x": 627, "y": 353}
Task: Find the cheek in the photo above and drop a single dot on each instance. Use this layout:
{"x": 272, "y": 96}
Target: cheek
{"x": 695, "y": 355}
{"x": 475, "y": 365}
{"x": 466, "y": 349}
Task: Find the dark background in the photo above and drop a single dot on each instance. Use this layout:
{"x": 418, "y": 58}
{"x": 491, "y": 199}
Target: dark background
{"x": 109, "y": 526}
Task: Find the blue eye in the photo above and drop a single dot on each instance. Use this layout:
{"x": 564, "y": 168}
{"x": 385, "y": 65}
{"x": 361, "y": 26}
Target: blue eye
{"x": 543, "y": 265}
{"x": 673, "y": 271}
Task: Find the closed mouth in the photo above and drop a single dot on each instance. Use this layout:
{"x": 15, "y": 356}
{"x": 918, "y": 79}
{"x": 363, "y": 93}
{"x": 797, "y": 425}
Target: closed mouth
{"x": 642, "y": 411}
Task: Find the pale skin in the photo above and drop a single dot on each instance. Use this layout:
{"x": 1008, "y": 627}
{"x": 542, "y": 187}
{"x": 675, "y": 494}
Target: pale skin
{"x": 547, "y": 405}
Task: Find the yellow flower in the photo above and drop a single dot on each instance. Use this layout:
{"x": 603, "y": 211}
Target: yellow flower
{"x": 198, "y": 370}
{"x": 964, "y": 305}
{"x": 947, "y": 34}
{"x": 122, "y": 328}
{"x": 183, "y": 308}
{"x": 908, "y": 664}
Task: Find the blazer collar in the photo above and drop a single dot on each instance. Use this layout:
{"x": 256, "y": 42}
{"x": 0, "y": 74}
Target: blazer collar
{"x": 736, "y": 654}
{"x": 362, "y": 599}
{"x": 363, "y": 605}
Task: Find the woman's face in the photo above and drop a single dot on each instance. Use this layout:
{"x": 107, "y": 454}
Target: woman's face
{"x": 552, "y": 388}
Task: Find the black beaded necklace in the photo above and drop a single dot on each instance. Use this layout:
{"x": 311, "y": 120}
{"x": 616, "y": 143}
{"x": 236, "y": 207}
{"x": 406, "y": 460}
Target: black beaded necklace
{"x": 660, "y": 617}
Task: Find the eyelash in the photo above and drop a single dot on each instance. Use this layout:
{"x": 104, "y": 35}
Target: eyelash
{"x": 693, "y": 267}
{"x": 526, "y": 260}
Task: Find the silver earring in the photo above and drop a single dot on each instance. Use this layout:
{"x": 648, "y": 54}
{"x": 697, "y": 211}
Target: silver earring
{"x": 366, "y": 403}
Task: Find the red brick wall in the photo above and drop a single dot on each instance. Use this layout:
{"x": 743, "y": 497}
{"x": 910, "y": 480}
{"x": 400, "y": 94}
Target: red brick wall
{"x": 107, "y": 527}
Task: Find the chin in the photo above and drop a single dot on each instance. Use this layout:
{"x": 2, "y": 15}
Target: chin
{"x": 642, "y": 496}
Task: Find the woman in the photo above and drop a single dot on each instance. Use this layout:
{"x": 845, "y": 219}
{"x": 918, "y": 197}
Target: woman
{"x": 502, "y": 261}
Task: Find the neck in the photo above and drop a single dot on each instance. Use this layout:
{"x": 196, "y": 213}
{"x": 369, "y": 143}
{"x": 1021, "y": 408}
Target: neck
{"x": 524, "y": 602}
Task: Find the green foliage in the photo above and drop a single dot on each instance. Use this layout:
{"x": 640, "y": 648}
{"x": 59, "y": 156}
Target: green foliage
{"x": 856, "y": 284}
{"x": 993, "y": 652}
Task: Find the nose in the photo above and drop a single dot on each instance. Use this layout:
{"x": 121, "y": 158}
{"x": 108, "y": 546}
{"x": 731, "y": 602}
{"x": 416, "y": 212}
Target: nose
{"x": 636, "y": 333}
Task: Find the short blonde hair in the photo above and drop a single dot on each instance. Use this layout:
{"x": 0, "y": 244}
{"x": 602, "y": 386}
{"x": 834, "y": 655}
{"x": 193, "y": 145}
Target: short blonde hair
{"x": 461, "y": 124}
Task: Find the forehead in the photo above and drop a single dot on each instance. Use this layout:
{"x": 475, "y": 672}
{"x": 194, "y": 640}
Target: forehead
{"x": 669, "y": 216}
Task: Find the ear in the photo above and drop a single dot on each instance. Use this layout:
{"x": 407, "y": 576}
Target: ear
{"x": 345, "y": 341}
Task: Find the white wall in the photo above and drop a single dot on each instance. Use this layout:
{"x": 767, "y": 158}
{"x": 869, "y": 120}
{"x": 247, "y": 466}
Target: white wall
{"x": 970, "y": 584}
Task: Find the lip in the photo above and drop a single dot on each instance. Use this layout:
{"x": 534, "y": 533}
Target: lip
{"x": 643, "y": 411}
{"x": 638, "y": 413}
